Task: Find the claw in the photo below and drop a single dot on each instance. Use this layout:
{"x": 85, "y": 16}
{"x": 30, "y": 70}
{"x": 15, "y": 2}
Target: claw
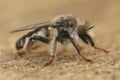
{"x": 21, "y": 53}
{"x": 101, "y": 49}
{"x": 51, "y": 61}
{"x": 47, "y": 64}
{"x": 88, "y": 60}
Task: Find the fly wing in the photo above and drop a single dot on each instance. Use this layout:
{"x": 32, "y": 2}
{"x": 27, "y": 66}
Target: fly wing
{"x": 34, "y": 26}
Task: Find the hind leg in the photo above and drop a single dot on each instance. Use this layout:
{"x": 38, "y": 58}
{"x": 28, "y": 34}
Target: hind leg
{"x": 26, "y": 48}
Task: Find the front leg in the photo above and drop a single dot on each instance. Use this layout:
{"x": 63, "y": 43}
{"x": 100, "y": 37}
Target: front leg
{"x": 53, "y": 53}
{"x": 101, "y": 49}
{"x": 78, "y": 51}
{"x": 87, "y": 39}
{"x": 93, "y": 44}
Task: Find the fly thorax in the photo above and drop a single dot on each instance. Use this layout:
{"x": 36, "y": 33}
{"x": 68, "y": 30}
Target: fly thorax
{"x": 69, "y": 22}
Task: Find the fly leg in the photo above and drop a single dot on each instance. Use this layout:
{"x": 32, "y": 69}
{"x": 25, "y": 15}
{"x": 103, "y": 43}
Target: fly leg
{"x": 29, "y": 42}
{"x": 53, "y": 54}
{"x": 26, "y": 47}
{"x": 93, "y": 44}
{"x": 78, "y": 51}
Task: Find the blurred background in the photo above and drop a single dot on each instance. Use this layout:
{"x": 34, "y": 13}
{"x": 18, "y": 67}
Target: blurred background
{"x": 105, "y": 14}
{"x": 14, "y": 14}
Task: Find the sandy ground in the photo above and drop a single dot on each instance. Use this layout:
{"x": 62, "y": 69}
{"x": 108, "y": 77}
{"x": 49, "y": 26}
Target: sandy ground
{"x": 68, "y": 65}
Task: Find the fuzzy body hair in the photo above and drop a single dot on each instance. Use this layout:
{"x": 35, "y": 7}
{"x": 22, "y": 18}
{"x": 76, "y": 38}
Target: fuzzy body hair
{"x": 68, "y": 30}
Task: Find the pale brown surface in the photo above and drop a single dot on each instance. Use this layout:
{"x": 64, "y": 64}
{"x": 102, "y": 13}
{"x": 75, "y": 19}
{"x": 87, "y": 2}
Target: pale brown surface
{"x": 105, "y": 14}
